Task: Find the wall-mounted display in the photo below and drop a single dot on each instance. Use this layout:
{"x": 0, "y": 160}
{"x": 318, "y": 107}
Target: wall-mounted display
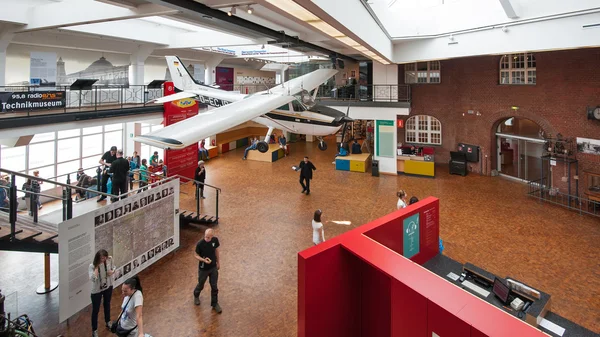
{"x": 101, "y": 69}
{"x": 589, "y": 146}
{"x": 42, "y": 69}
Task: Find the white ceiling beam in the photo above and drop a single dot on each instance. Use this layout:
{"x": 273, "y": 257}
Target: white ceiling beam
{"x": 509, "y": 9}
{"x": 136, "y": 30}
{"x": 210, "y": 38}
{"x": 83, "y": 12}
{"x": 17, "y": 13}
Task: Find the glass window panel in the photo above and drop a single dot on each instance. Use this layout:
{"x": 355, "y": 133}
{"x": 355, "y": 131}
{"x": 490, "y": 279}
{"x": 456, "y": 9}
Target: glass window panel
{"x": 13, "y": 158}
{"x": 422, "y": 66}
{"x": 434, "y": 65}
{"x": 45, "y": 172}
{"x": 41, "y": 154}
{"x": 65, "y": 168}
{"x": 531, "y": 76}
{"x": 68, "y": 149}
{"x": 69, "y": 133}
{"x": 504, "y": 77}
{"x": 285, "y": 107}
{"x": 423, "y": 137}
{"x": 409, "y": 67}
{"x": 90, "y": 164}
{"x": 157, "y": 127}
{"x": 114, "y": 138}
{"x": 92, "y": 130}
{"x": 113, "y": 127}
{"x": 145, "y": 130}
{"x": 145, "y": 152}
{"x": 92, "y": 145}
{"x": 410, "y": 77}
{"x": 42, "y": 137}
{"x": 530, "y": 61}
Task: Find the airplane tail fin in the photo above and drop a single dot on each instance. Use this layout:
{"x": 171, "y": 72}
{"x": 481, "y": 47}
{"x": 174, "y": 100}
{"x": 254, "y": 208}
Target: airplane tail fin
{"x": 180, "y": 76}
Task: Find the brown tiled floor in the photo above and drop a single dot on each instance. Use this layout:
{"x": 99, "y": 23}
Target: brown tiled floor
{"x": 265, "y": 221}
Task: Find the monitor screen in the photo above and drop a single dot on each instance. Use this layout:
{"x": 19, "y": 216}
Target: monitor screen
{"x": 501, "y": 290}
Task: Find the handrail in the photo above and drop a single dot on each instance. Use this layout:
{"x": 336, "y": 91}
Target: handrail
{"x": 55, "y": 182}
{"x": 66, "y": 174}
{"x": 176, "y": 175}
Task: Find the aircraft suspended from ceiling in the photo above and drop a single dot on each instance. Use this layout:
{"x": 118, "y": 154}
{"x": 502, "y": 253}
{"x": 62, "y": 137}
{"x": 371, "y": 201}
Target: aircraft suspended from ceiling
{"x": 288, "y": 106}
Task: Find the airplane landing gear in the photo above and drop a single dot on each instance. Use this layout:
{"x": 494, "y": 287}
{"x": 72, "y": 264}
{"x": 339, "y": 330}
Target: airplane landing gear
{"x": 262, "y": 147}
{"x": 322, "y": 145}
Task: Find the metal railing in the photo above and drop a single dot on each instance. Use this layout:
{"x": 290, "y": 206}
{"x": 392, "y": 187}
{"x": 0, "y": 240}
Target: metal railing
{"x": 553, "y": 196}
{"x": 100, "y": 97}
{"x": 355, "y": 92}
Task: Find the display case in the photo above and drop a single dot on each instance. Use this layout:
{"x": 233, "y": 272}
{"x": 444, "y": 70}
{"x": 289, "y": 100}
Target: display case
{"x": 592, "y": 189}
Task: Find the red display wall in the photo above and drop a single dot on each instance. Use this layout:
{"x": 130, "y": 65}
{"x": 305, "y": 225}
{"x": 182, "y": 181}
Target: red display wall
{"x": 184, "y": 161}
{"x": 359, "y": 284}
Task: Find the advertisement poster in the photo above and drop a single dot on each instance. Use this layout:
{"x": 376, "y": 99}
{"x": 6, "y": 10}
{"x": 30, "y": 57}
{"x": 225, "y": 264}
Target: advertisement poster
{"x": 411, "y": 236}
{"x": 136, "y": 231}
{"x": 42, "y": 69}
{"x": 32, "y": 100}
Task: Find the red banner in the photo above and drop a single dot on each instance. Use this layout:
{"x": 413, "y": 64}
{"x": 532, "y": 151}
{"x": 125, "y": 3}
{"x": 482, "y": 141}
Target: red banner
{"x": 184, "y": 161}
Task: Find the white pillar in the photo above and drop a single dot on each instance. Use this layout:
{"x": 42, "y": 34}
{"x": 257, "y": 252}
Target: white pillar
{"x": 210, "y": 66}
{"x": 136, "y": 69}
{"x": 5, "y": 38}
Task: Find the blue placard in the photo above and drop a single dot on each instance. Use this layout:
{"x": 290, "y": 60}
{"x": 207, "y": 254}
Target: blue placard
{"x": 411, "y": 236}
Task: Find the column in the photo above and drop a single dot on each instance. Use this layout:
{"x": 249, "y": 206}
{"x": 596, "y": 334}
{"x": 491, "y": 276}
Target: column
{"x": 5, "y": 38}
{"x": 210, "y": 66}
{"x": 137, "y": 59}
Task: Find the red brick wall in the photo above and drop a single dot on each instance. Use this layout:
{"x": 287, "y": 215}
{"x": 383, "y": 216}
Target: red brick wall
{"x": 567, "y": 82}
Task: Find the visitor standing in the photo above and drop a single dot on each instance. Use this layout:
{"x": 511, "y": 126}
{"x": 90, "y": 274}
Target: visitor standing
{"x": 317, "y": 226}
{"x": 130, "y": 323}
{"x": 107, "y": 158}
{"x": 207, "y": 253}
{"x": 200, "y": 176}
{"x": 100, "y": 273}
{"x": 119, "y": 168}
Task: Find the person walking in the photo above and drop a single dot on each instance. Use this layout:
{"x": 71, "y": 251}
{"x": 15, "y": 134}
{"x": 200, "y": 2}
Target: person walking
{"x": 207, "y": 253}
{"x": 200, "y": 176}
{"x": 100, "y": 273}
{"x": 119, "y": 168}
{"x": 401, "y": 199}
{"x": 107, "y": 158}
{"x": 317, "y": 226}
{"x": 130, "y": 323}
{"x": 306, "y": 167}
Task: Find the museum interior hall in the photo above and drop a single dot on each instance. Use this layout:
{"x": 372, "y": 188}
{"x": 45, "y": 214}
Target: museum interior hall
{"x": 301, "y": 168}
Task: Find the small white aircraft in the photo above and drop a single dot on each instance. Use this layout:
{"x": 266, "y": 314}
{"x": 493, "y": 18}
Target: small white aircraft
{"x": 288, "y": 106}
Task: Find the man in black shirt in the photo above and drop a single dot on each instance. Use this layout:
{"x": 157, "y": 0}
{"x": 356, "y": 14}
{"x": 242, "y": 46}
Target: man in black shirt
{"x": 200, "y": 175}
{"x": 207, "y": 253}
{"x": 107, "y": 160}
{"x": 119, "y": 168}
{"x": 306, "y": 167}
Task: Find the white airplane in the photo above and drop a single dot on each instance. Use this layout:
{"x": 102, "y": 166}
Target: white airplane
{"x": 288, "y": 106}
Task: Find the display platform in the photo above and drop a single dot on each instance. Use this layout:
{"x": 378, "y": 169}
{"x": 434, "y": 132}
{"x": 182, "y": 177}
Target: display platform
{"x": 353, "y": 162}
{"x": 449, "y": 269}
{"x": 416, "y": 165}
{"x": 213, "y": 151}
{"x": 275, "y": 153}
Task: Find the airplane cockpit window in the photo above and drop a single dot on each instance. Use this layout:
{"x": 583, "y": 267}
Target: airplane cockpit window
{"x": 297, "y": 106}
{"x": 285, "y": 107}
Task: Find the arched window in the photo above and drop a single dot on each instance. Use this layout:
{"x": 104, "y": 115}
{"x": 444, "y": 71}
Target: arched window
{"x": 422, "y": 72}
{"x": 518, "y": 69}
{"x": 423, "y": 129}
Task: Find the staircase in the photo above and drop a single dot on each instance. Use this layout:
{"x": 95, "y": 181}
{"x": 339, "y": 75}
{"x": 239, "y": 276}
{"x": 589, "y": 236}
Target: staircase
{"x": 37, "y": 237}
{"x": 189, "y": 217}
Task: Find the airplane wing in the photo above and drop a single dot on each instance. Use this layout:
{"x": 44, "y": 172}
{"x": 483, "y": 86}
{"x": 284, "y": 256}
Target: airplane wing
{"x": 306, "y": 82}
{"x": 174, "y": 97}
{"x": 212, "y": 122}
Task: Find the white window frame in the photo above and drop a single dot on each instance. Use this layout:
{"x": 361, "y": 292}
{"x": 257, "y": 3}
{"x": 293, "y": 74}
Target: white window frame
{"x": 413, "y": 129}
{"x": 510, "y": 71}
{"x": 434, "y": 71}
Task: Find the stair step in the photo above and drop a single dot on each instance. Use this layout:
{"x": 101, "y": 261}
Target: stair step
{"x": 27, "y": 234}
{"x": 7, "y": 235}
{"x": 46, "y": 237}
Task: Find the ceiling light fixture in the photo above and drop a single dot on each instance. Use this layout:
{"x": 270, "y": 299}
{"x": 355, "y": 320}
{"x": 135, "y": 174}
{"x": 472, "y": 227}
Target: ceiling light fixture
{"x": 232, "y": 11}
{"x": 249, "y": 9}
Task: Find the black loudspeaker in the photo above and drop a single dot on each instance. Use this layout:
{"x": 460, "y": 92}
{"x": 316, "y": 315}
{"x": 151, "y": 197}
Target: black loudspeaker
{"x": 458, "y": 163}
